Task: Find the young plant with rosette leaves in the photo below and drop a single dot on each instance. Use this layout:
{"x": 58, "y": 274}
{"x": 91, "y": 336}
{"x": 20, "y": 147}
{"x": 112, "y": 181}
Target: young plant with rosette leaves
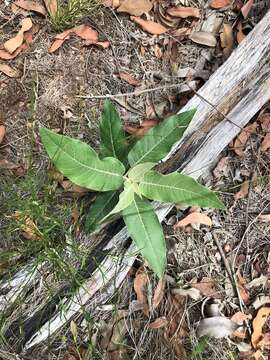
{"x": 118, "y": 168}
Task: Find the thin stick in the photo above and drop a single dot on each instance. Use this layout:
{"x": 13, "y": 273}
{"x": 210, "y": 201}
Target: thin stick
{"x": 183, "y": 87}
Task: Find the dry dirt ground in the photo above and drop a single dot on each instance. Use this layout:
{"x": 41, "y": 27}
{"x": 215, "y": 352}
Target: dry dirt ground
{"x": 47, "y": 93}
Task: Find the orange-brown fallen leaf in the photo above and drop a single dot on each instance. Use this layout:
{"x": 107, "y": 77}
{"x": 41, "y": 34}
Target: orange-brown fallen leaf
{"x": 243, "y": 291}
{"x": 102, "y": 44}
{"x": 240, "y": 36}
{"x": 241, "y": 140}
{"x": 265, "y": 145}
{"x": 226, "y": 39}
{"x": 219, "y": 4}
{"x": 246, "y": 8}
{"x": 9, "y": 71}
{"x": 129, "y": 79}
{"x": 136, "y": 8}
{"x": 29, "y": 229}
{"x": 6, "y": 164}
{"x": 140, "y": 287}
{"x": 12, "y": 44}
{"x": 51, "y": 6}
{"x": 142, "y": 130}
{"x": 70, "y": 187}
{"x": 221, "y": 167}
{"x": 207, "y": 287}
{"x": 158, "y": 323}
{"x": 264, "y": 119}
{"x": 2, "y": 133}
{"x": 159, "y": 293}
{"x": 184, "y": 12}
{"x": 258, "y": 324}
{"x": 194, "y": 218}
{"x": 83, "y": 31}
{"x": 31, "y": 6}
{"x": 111, "y": 3}
{"x": 150, "y": 26}
{"x": 243, "y": 192}
{"x": 239, "y": 317}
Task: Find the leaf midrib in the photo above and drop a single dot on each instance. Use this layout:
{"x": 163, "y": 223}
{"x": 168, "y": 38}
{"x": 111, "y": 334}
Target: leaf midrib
{"x": 156, "y": 144}
{"x": 84, "y": 165}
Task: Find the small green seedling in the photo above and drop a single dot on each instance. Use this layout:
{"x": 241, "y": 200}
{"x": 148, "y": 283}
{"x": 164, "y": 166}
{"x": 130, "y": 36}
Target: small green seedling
{"x": 117, "y": 167}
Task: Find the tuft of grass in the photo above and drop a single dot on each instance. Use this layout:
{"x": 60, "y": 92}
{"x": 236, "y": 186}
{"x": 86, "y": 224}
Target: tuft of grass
{"x": 71, "y": 11}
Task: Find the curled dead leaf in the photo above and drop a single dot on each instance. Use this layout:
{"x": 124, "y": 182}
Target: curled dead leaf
{"x": 265, "y": 145}
{"x": 129, "y": 79}
{"x": 150, "y": 26}
{"x": 226, "y": 39}
{"x": 243, "y": 192}
{"x": 241, "y": 140}
{"x": 136, "y": 8}
{"x": 29, "y": 229}
{"x": 12, "y": 44}
{"x": 141, "y": 131}
{"x": 239, "y": 317}
{"x": 184, "y": 12}
{"x": 51, "y": 6}
{"x": 203, "y": 38}
{"x": 70, "y": 187}
{"x": 207, "y": 287}
{"x": 221, "y": 167}
{"x": 9, "y": 71}
{"x": 194, "y": 218}
{"x": 2, "y": 133}
{"x": 140, "y": 287}
{"x": 243, "y": 291}
{"x": 246, "y": 8}
{"x": 159, "y": 293}
{"x": 258, "y": 324}
{"x": 219, "y": 4}
{"x": 158, "y": 323}
{"x": 240, "y": 36}
{"x": 216, "y": 326}
{"x": 31, "y": 6}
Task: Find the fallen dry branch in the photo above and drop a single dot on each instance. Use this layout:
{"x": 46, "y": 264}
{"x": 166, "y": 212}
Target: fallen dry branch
{"x": 225, "y": 104}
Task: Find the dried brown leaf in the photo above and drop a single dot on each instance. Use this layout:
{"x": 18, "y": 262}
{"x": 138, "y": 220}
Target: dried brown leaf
{"x": 16, "y": 10}
{"x": 182, "y": 32}
{"x": 150, "y": 26}
{"x": 129, "y": 79}
{"x": 239, "y": 317}
{"x": 219, "y": 4}
{"x": 111, "y": 3}
{"x": 29, "y": 229}
{"x": 67, "y": 185}
{"x": 226, "y": 39}
{"x": 2, "y": 133}
{"x": 31, "y": 6}
{"x": 102, "y": 44}
{"x": 221, "y": 167}
{"x": 243, "y": 192}
{"x": 140, "y": 286}
{"x": 207, "y": 287}
{"x": 9, "y": 71}
{"x": 136, "y": 8}
{"x": 51, "y": 6}
{"x": 243, "y": 291}
{"x": 240, "y": 36}
{"x": 194, "y": 218}
{"x": 159, "y": 293}
{"x": 12, "y": 44}
{"x": 265, "y": 145}
{"x": 203, "y": 38}
{"x": 246, "y": 8}
{"x": 158, "y": 323}
{"x": 258, "y": 324}
{"x": 242, "y": 138}
{"x": 6, "y": 164}
{"x": 262, "y": 217}
{"x": 264, "y": 119}
{"x": 141, "y": 131}
{"x": 184, "y": 12}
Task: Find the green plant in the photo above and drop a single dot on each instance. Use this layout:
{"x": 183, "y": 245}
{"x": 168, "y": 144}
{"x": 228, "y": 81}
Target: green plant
{"x": 109, "y": 172}
{"x": 70, "y": 11}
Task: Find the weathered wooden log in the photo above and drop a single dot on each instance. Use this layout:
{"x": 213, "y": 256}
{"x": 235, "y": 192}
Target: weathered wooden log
{"x": 231, "y": 97}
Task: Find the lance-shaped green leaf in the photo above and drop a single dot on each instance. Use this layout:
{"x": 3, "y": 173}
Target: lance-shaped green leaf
{"x": 137, "y": 172}
{"x": 80, "y": 163}
{"x": 103, "y": 204}
{"x": 158, "y": 141}
{"x": 178, "y": 188}
{"x": 146, "y": 231}
{"x": 113, "y": 141}
{"x": 125, "y": 198}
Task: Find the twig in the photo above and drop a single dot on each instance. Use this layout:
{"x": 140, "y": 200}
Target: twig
{"x": 183, "y": 87}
